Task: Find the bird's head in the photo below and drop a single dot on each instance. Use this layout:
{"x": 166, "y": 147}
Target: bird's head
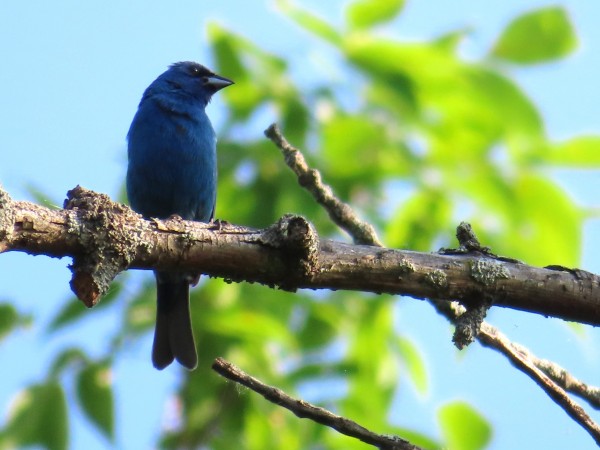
{"x": 192, "y": 79}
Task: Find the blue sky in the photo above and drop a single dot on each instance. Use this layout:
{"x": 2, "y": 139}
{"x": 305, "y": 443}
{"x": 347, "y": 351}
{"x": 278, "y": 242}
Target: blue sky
{"x": 71, "y": 79}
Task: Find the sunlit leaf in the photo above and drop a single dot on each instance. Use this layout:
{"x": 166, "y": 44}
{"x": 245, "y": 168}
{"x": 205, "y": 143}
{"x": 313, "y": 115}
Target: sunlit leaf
{"x": 414, "y": 363}
{"x": 10, "y": 319}
{"x": 538, "y": 36}
{"x": 67, "y": 358}
{"x": 38, "y": 417}
{"x": 418, "y": 221}
{"x": 294, "y": 119}
{"x": 95, "y": 396}
{"x": 416, "y": 438}
{"x": 518, "y": 213}
{"x": 463, "y": 428}
{"x": 42, "y": 198}
{"x": 521, "y": 121}
{"x": 450, "y": 41}
{"x": 551, "y": 223}
{"x": 475, "y": 108}
{"x": 579, "y": 329}
{"x": 317, "y": 330}
{"x": 371, "y": 337}
{"x": 422, "y": 64}
{"x": 309, "y": 21}
{"x": 320, "y": 370}
{"x": 367, "y": 13}
{"x": 251, "y": 325}
{"x": 582, "y": 151}
{"x": 74, "y": 310}
{"x": 228, "y": 50}
{"x": 357, "y": 146}
{"x": 141, "y": 310}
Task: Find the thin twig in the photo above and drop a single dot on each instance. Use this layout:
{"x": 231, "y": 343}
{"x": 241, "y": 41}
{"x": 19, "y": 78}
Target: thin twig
{"x": 526, "y": 362}
{"x": 564, "y": 379}
{"x": 548, "y": 375}
{"x": 306, "y": 410}
{"x": 491, "y": 337}
{"x": 341, "y": 213}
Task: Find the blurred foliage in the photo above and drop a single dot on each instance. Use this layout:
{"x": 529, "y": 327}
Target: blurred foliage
{"x": 431, "y": 139}
{"x": 11, "y": 319}
{"x": 38, "y": 417}
{"x": 463, "y": 427}
{"x": 542, "y": 35}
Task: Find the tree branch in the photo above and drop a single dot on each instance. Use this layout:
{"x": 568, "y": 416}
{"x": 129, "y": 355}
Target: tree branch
{"x": 305, "y": 410}
{"x": 491, "y": 337}
{"x": 341, "y": 213}
{"x": 553, "y": 379}
{"x": 564, "y": 379}
{"x": 529, "y": 364}
{"x": 105, "y": 237}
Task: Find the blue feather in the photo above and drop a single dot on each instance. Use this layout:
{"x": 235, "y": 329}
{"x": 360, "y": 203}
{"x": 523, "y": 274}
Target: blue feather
{"x": 173, "y": 170}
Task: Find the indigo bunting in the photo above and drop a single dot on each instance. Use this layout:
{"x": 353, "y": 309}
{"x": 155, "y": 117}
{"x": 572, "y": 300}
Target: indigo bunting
{"x": 172, "y": 170}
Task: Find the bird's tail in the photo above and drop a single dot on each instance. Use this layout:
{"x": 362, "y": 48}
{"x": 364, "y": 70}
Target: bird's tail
{"x": 173, "y": 337}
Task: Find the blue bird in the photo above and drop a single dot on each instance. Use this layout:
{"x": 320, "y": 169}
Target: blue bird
{"x": 172, "y": 170}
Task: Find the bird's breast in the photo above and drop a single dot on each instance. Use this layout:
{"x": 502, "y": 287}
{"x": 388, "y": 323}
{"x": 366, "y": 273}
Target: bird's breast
{"x": 172, "y": 163}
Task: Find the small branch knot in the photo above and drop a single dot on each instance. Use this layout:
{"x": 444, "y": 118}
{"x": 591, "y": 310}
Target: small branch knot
{"x": 467, "y": 238}
{"x": 298, "y": 238}
{"x": 98, "y": 227}
{"x": 468, "y": 324}
{"x": 6, "y": 217}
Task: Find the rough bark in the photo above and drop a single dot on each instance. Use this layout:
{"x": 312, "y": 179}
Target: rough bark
{"x": 104, "y": 238}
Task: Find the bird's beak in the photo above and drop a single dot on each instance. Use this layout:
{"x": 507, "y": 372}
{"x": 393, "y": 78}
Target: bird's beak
{"x": 217, "y": 82}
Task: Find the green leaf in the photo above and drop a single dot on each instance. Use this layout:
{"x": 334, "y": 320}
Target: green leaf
{"x": 513, "y": 112}
{"x": 321, "y": 370}
{"x": 294, "y": 118}
{"x": 38, "y": 417}
{"x": 416, "y": 438}
{"x": 579, "y": 329}
{"x": 533, "y": 218}
{"x": 582, "y": 151}
{"x": 477, "y": 108}
{"x": 67, "y": 358}
{"x": 252, "y": 326}
{"x": 74, "y": 309}
{"x": 10, "y": 319}
{"x": 141, "y": 310}
{"x": 42, "y": 198}
{"x": 551, "y": 222}
{"x": 228, "y": 50}
{"x": 370, "y": 349}
{"x": 310, "y": 22}
{"x": 367, "y": 13}
{"x": 390, "y": 68}
{"x": 492, "y": 196}
{"x": 318, "y": 329}
{"x": 356, "y": 146}
{"x": 413, "y": 361}
{"x": 260, "y": 78}
{"x": 463, "y": 428}
{"x": 419, "y": 220}
{"x": 538, "y": 36}
{"x": 96, "y": 397}
{"x": 450, "y": 41}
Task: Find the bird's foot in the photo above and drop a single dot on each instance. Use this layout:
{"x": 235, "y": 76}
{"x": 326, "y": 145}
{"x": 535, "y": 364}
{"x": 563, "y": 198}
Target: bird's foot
{"x": 218, "y": 224}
